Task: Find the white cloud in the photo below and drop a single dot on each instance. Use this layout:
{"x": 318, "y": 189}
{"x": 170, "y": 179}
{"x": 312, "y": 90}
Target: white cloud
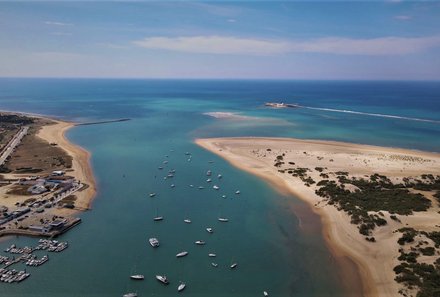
{"x": 329, "y": 45}
{"x": 403, "y": 17}
{"x": 215, "y": 45}
{"x": 50, "y": 23}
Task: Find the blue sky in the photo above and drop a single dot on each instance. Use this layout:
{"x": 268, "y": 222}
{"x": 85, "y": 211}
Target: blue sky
{"x": 395, "y": 40}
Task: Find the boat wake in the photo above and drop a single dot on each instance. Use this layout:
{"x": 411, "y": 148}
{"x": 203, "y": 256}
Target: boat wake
{"x": 374, "y": 114}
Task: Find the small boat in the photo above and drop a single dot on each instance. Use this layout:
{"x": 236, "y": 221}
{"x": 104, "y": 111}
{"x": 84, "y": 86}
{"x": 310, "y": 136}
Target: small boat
{"x": 187, "y": 153}
{"x": 214, "y": 264}
{"x": 172, "y": 186}
{"x": 237, "y": 192}
{"x": 181, "y": 287}
{"x": 209, "y": 180}
{"x": 154, "y": 242}
{"x": 219, "y": 176}
{"x": 223, "y": 196}
{"x": 182, "y": 254}
{"x": 210, "y": 162}
{"x": 152, "y": 194}
{"x": 163, "y": 279}
{"x": 160, "y": 167}
{"x": 131, "y": 294}
{"x": 188, "y": 221}
{"x": 212, "y": 255}
{"x": 233, "y": 265}
{"x": 157, "y": 219}
{"x": 201, "y": 188}
{"x": 165, "y": 162}
{"x": 191, "y": 186}
{"x": 200, "y": 242}
{"x": 172, "y": 171}
{"x": 215, "y": 187}
{"x": 137, "y": 277}
{"x": 170, "y": 175}
{"x": 208, "y": 173}
{"x": 209, "y": 230}
{"x": 223, "y": 220}
{"x": 265, "y": 293}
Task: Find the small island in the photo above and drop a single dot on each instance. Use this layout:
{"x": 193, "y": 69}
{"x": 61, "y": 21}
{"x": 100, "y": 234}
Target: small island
{"x": 379, "y": 206}
{"x": 44, "y": 179}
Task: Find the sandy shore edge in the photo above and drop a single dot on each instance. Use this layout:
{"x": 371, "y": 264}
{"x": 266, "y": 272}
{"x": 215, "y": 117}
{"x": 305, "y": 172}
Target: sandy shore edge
{"x": 81, "y": 165}
{"x": 342, "y": 238}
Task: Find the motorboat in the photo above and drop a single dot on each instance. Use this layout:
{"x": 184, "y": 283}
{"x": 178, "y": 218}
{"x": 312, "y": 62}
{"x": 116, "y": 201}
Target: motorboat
{"x": 152, "y": 194}
{"x": 181, "y": 287}
{"x": 214, "y": 264}
{"x": 209, "y": 180}
{"x": 219, "y": 176}
{"x": 223, "y": 220}
{"x": 154, "y": 242}
{"x": 210, "y": 230}
{"x": 201, "y": 188}
{"x": 172, "y": 186}
{"x": 233, "y": 265}
{"x": 200, "y": 242}
{"x": 237, "y": 192}
{"x": 212, "y": 255}
{"x": 158, "y": 218}
{"x": 137, "y": 277}
{"x": 182, "y": 254}
{"x": 131, "y": 294}
{"x": 188, "y": 221}
{"x": 208, "y": 173}
{"x": 215, "y": 187}
{"x": 265, "y": 293}
{"x": 163, "y": 279}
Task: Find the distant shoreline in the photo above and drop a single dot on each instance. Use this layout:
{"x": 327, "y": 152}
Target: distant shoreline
{"x": 375, "y": 261}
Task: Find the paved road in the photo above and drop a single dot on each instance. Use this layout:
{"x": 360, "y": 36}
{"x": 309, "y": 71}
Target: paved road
{"x": 13, "y": 144}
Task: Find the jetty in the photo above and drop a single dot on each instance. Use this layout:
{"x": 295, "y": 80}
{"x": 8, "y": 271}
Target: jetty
{"x": 103, "y": 122}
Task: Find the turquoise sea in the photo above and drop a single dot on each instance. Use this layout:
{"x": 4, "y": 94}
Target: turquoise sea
{"x": 275, "y": 239}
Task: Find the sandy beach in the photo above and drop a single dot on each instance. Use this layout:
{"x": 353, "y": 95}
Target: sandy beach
{"x": 81, "y": 167}
{"x": 375, "y": 260}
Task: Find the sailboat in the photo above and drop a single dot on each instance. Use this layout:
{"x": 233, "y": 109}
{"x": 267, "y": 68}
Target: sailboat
{"x": 157, "y": 217}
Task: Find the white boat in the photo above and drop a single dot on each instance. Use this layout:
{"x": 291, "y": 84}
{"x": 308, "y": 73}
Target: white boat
{"x": 233, "y": 265}
{"x": 191, "y": 186}
{"x": 131, "y": 294}
{"x": 187, "y": 153}
{"x": 157, "y": 219}
{"x": 152, "y": 194}
{"x": 201, "y": 188}
{"x": 182, "y": 254}
{"x": 165, "y": 162}
{"x": 223, "y": 196}
{"x": 219, "y": 176}
{"x": 188, "y": 221}
{"x": 237, "y": 192}
{"x": 215, "y": 187}
{"x": 181, "y": 287}
{"x": 137, "y": 277}
{"x": 209, "y": 180}
{"x": 163, "y": 279}
{"x": 200, "y": 242}
{"x": 210, "y": 230}
{"x": 154, "y": 242}
{"x": 214, "y": 264}
{"x": 212, "y": 255}
{"x": 208, "y": 173}
{"x": 265, "y": 293}
{"x": 223, "y": 220}
{"x": 160, "y": 168}
{"x": 172, "y": 186}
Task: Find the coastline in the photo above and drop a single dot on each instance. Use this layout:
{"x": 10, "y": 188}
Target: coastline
{"x": 374, "y": 261}
{"x": 81, "y": 165}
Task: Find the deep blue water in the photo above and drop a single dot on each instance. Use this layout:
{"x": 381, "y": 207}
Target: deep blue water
{"x": 263, "y": 235}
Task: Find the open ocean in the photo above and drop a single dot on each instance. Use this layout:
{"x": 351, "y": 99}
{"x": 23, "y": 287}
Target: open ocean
{"x": 276, "y": 250}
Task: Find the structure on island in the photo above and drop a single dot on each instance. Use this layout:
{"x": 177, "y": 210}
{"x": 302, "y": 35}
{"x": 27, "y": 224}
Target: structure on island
{"x": 282, "y": 105}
